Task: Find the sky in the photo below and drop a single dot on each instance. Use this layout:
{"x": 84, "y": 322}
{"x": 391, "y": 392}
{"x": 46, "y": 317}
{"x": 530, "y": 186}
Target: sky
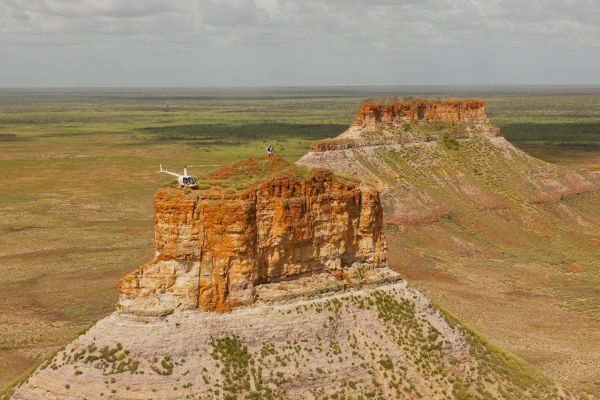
{"x": 191, "y": 43}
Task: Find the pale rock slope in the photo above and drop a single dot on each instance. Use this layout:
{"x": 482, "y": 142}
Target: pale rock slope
{"x": 383, "y": 343}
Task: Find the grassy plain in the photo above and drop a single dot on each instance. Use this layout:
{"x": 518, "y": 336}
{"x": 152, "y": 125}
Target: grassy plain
{"x": 77, "y": 174}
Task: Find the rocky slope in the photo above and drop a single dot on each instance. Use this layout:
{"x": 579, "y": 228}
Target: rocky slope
{"x": 478, "y": 221}
{"x": 298, "y": 259}
{"x": 381, "y": 343}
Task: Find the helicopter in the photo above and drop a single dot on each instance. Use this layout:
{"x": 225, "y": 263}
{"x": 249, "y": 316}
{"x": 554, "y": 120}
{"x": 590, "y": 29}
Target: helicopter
{"x": 184, "y": 180}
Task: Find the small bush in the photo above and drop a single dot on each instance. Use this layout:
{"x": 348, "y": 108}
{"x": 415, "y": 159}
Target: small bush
{"x": 448, "y": 142}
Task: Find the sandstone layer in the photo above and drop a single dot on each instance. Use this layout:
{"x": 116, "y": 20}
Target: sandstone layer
{"x": 372, "y": 114}
{"x": 413, "y": 121}
{"x": 213, "y": 248}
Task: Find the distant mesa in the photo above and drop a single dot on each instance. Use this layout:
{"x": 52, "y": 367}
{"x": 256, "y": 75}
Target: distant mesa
{"x": 395, "y": 112}
{"x": 436, "y": 158}
{"x": 412, "y": 121}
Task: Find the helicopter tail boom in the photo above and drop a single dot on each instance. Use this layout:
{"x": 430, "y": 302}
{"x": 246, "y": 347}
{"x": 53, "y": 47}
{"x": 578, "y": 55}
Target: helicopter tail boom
{"x": 164, "y": 171}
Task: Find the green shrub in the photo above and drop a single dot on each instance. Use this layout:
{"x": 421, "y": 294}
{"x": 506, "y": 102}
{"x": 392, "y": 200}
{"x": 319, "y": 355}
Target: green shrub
{"x": 448, "y": 142}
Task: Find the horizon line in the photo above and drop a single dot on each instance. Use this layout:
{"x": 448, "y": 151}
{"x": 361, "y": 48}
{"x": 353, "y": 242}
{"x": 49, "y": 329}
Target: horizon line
{"x": 333, "y": 86}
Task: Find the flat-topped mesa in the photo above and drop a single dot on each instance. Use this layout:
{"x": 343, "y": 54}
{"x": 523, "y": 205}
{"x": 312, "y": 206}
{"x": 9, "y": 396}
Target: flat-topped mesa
{"x": 412, "y": 121}
{"x": 217, "y": 249}
{"x": 397, "y": 112}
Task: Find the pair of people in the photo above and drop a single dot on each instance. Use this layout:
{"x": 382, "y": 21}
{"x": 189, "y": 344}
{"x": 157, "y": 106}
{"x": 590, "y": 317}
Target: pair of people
{"x": 270, "y": 150}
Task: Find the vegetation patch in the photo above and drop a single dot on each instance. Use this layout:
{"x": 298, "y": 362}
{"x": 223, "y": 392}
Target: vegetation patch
{"x": 164, "y": 367}
{"x": 242, "y": 379}
{"x": 448, "y": 142}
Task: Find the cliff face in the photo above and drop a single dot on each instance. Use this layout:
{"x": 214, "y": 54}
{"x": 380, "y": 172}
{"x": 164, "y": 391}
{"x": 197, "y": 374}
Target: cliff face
{"x": 414, "y": 121}
{"x": 375, "y": 114}
{"x": 213, "y": 249}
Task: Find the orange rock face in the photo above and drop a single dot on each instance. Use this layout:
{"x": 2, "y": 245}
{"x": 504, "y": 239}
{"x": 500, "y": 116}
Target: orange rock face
{"x": 415, "y": 121}
{"x": 214, "y": 248}
{"x": 375, "y": 114}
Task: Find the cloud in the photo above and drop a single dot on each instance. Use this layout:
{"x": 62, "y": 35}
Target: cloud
{"x": 260, "y": 41}
{"x": 383, "y": 23}
{"x": 47, "y": 21}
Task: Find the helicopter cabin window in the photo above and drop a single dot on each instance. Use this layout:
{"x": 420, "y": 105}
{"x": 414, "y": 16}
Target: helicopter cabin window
{"x": 191, "y": 181}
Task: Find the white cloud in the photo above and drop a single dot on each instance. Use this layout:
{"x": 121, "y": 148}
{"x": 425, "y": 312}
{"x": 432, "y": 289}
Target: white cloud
{"x": 388, "y": 22}
{"x": 337, "y": 32}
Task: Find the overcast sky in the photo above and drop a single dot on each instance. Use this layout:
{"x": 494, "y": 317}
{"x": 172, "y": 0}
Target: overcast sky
{"x": 298, "y": 42}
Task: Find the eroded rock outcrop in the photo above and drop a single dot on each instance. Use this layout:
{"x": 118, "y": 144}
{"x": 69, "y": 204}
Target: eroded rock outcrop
{"x": 214, "y": 248}
{"x": 412, "y": 121}
{"x": 372, "y": 114}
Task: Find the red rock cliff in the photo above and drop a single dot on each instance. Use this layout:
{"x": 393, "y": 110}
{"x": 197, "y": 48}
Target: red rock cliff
{"x": 373, "y": 114}
{"x": 214, "y": 248}
{"x": 415, "y": 121}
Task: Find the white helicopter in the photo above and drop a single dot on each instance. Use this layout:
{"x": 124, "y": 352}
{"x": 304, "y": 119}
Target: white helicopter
{"x": 184, "y": 180}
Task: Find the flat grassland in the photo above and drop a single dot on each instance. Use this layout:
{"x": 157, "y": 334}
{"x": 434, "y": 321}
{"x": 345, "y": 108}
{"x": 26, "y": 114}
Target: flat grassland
{"x": 78, "y": 171}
